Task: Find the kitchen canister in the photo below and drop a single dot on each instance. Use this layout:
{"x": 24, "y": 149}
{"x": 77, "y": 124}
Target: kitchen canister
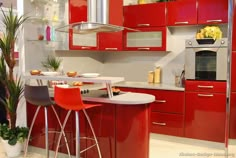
{"x": 141, "y": 2}
{"x": 150, "y": 76}
{"x": 157, "y": 75}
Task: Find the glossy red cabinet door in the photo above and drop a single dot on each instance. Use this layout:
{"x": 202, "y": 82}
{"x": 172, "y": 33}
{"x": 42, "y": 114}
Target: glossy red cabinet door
{"x": 112, "y": 41}
{"x": 167, "y": 123}
{"x": 234, "y": 29}
{"x": 77, "y": 11}
{"x": 129, "y": 142}
{"x": 233, "y": 72}
{"x": 205, "y": 116}
{"x": 103, "y": 122}
{"x": 212, "y": 11}
{"x": 152, "y": 14}
{"x": 181, "y": 12}
{"x": 232, "y": 127}
{"x": 167, "y": 101}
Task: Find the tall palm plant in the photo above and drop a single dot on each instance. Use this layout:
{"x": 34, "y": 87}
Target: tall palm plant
{"x": 14, "y": 87}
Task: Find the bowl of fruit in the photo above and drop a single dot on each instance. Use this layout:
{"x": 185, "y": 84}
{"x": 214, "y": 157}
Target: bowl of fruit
{"x": 35, "y": 72}
{"x": 71, "y": 73}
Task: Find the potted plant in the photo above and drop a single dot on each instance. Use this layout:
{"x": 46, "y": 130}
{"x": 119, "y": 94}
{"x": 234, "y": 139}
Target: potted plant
{"x": 9, "y": 133}
{"x": 52, "y": 63}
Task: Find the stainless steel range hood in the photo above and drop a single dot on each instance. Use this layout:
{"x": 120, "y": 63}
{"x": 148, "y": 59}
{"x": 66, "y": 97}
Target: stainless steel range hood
{"x": 98, "y": 20}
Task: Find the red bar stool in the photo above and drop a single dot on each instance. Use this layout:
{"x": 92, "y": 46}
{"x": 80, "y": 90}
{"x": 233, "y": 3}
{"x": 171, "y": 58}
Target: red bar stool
{"x": 71, "y": 100}
{"x": 39, "y": 96}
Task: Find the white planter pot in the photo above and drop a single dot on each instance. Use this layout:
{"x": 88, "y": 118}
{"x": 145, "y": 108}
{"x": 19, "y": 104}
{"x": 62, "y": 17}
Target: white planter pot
{"x": 12, "y": 150}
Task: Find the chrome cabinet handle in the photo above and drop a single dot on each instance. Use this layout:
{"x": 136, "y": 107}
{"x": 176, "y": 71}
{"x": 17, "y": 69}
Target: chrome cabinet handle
{"x": 143, "y": 48}
{"x": 143, "y": 24}
{"x": 205, "y": 95}
{"x": 160, "y": 101}
{"x": 206, "y": 87}
{"x": 216, "y": 20}
{"x": 85, "y": 47}
{"x": 111, "y": 48}
{"x": 159, "y": 123}
{"x": 181, "y": 22}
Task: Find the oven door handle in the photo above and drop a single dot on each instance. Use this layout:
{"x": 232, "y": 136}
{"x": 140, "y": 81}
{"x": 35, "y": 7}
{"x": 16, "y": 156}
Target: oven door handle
{"x": 205, "y": 87}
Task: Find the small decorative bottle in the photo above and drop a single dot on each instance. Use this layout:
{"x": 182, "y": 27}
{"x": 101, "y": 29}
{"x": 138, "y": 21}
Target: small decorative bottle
{"x": 48, "y": 33}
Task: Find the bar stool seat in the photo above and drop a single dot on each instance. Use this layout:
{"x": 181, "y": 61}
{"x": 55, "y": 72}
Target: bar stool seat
{"x": 39, "y": 96}
{"x": 71, "y": 100}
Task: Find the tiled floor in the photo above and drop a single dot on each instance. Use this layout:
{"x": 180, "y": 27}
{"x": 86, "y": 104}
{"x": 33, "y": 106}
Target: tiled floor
{"x": 162, "y": 146}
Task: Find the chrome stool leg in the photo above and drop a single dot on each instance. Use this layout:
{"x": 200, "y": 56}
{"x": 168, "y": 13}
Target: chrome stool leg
{"x": 77, "y": 144}
{"x": 62, "y": 129}
{"x": 30, "y": 130}
{"x": 95, "y": 138}
{"x": 63, "y": 132}
{"x": 46, "y": 131}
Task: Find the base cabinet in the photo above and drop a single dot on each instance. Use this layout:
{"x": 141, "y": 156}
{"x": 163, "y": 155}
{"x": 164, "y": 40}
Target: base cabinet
{"x": 166, "y": 123}
{"x": 205, "y": 112}
{"x": 166, "y": 112}
{"x": 122, "y": 130}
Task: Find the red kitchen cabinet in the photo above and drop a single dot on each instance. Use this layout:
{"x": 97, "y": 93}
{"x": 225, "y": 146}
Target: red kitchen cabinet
{"x": 205, "y": 114}
{"x": 110, "y": 41}
{"x": 96, "y": 41}
{"x": 147, "y": 38}
{"x": 167, "y": 101}
{"x": 233, "y": 72}
{"x": 212, "y": 11}
{"x": 232, "y": 127}
{"x": 129, "y": 142}
{"x": 181, "y": 12}
{"x": 166, "y": 123}
{"x": 78, "y": 13}
{"x": 144, "y": 15}
{"x": 113, "y": 41}
{"x": 167, "y": 111}
{"x": 234, "y": 29}
{"x": 103, "y": 121}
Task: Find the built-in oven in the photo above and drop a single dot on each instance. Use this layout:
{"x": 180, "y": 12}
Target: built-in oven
{"x": 206, "y": 61}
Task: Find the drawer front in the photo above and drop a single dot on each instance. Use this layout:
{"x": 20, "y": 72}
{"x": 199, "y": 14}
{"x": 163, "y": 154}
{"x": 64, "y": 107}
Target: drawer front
{"x": 167, "y": 101}
{"x": 205, "y": 86}
{"x": 170, "y": 124}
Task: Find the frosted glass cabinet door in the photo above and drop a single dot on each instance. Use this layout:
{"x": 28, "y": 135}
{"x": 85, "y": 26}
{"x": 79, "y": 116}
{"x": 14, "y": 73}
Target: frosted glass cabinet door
{"x": 83, "y": 41}
{"x": 147, "y": 39}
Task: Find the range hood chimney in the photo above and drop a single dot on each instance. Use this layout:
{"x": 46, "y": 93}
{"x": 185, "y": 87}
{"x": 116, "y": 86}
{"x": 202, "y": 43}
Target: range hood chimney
{"x": 98, "y": 20}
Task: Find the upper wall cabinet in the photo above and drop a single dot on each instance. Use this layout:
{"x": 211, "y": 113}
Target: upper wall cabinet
{"x": 147, "y": 38}
{"x": 113, "y": 41}
{"x": 181, "y": 12}
{"x": 96, "y": 41}
{"x": 78, "y": 13}
{"x": 152, "y": 14}
{"x": 212, "y": 11}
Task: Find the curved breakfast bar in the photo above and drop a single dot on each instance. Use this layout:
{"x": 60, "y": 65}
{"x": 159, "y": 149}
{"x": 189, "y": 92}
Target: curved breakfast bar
{"x": 121, "y": 124}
